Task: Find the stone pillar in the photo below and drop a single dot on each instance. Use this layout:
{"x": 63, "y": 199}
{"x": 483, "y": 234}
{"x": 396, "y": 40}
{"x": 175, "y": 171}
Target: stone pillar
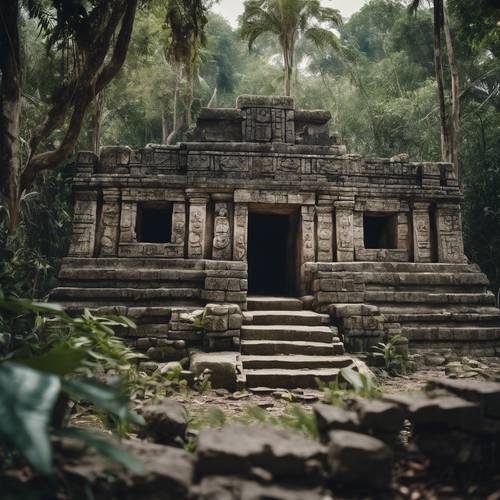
{"x": 178, "y": 223}
{"x": 128, "y": 222}
{"x": 308, "y": 240}
{"x": 84, "y": 224}
{"x": 222, "y": 247}
{"x": 240, "y": 231}
{"x": 344, "y": 225}
{"x": 450, "y": 243}
{"x": 110, "y": 223}
{"x": 197, "y": 225}
{"x": 325, "y": 230}
{"x": 422, "y": 251}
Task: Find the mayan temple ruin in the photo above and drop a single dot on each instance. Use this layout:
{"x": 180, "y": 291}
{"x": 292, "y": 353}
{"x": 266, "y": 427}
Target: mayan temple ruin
{"x": 300, "y": 252}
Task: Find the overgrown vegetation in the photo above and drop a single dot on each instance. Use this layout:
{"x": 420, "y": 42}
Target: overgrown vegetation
{"x": 50, "y": 364}
{"x": 395, "y": 363}
{"x": 349, "y": 382}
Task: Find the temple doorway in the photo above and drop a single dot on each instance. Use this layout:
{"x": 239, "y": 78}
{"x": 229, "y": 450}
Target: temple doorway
{"x": 272, "y": 251}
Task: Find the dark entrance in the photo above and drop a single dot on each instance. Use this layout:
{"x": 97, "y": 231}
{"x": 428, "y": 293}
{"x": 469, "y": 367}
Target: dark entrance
{"x": 271, "y": 253}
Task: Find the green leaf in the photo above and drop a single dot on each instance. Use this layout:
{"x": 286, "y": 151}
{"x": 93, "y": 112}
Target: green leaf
{"x": 24, "y": 305}
{"x": 60, "y": 360}
{"x": 104, "y": 446}
{"x": 353, "y": 378}
{"x": 103, "y": 397}
{"x": 27, "y": 398}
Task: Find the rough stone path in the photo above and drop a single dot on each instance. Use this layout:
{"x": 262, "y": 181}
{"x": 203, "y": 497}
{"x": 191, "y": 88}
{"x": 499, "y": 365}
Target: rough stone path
{"x": 284, "y": 346}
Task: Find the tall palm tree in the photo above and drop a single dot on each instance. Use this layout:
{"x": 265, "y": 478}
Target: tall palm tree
{"x": 290, "y": 20}
{"x": 450, "y": 125}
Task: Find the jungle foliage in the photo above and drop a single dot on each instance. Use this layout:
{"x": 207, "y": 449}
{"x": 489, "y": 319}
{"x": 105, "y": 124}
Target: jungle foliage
{"x": 380, "y": 89}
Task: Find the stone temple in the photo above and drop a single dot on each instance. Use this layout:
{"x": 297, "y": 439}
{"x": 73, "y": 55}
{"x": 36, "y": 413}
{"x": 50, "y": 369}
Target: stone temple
{"x": 295, "y": 247}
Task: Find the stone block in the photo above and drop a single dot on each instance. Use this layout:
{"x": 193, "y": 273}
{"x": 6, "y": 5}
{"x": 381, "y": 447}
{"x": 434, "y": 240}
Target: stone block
{"x": 235, "y": 321}
{"x": 236, "y": 296}
{"x": 484, "y": 393}
{"x": 359, "y": 460}
{"x": 223, "y": 366}
{"x": 211, "y": 295}
{"x": 216, "y": 323}
{"x": 238, "y": 449}
{"x": 165, "y": 421}
{"x": 378, "y": 416}
{"x": 167, "y": 470}
{"x": 329, "y": 418}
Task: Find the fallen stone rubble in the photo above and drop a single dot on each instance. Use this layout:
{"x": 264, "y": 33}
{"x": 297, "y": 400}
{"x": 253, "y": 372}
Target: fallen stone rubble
{"x": 454, "y": 424}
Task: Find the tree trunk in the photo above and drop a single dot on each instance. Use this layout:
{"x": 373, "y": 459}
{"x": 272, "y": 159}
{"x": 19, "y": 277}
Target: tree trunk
{"x": 189, "y": 111}
{"x": 10, "y": 111}
{"x": 164, "y": 125}
{"x": 97, "y": 122}
{"x": 175, "y": 118}
{"x": 454, "y": 123}
{"x": 438, "y": 66}
{"x": 288, "y": 70}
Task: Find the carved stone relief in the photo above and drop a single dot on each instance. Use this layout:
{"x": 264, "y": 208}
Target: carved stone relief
{"x": 325, "y": 234}
{"x": 197, "y": 229}
{"x": 84, "y": 224}
{"x": 240, "y": 231}
{"x": 449, "y": 233}
{"x": 222, "y": 233}
{"x": 110, "y": 223}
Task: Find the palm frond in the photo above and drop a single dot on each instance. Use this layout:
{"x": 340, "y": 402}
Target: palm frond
{"x": 323, "y": 38}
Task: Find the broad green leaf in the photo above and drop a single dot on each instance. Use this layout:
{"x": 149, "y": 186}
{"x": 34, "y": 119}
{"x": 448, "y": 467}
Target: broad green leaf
{"x": 103, "y": 397}
{"x": 60, "y": 360}
{"x": 23, "y": 305}
{"x": 27, "y": 398}
{"x": 103, "y": 445}
{"x": 353, "y": 378}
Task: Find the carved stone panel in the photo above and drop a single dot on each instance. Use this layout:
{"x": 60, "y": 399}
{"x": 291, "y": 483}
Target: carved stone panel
{"x": 449, "y": 233}
{"x": 325, "y": 234}
{"x": 344, "y": 225}
{"x": 308, "y": 239}
{"x": 178, "y": 223}
{"x": 128, "y": 222}
{"x": 422, "y": 251}
{"x": 110, "y": 223}
{"x": 222, "y": 248}
{"x": 240, "y": 231}
{"x": 197, "y": 227}
{"x": 84, "y": 224}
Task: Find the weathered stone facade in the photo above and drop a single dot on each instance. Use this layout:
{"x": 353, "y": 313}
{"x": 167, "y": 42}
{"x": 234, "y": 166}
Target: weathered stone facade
{"x": 377, "y": 242}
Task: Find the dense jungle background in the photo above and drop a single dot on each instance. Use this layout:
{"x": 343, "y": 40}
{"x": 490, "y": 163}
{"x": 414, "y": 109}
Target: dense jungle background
{"x": 78, "y": 74}
{"x": 380, "y": 88}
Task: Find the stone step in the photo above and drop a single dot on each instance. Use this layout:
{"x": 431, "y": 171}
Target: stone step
{"x": 133, "y": 294}
{"x": 394, "y": 267}
{"x": 306, "y": 318}
{"x": 438, "y": 309}
{"x": 132, "y": 263}
{"x": 287, "y": 332}
{"x": 261, "y": 303}
{"x": 429, "y": 298}
{"x": 295, "y": 361}
{"x": 131, "y": 274}
{"x": 289, "y": 379}
{"x": 404, "y": 279}
{"x": 270, "y": 348}
{"x": 451, "y": 334}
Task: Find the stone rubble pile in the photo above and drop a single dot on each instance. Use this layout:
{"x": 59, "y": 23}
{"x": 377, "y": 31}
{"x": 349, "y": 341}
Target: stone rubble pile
{"x": 454, "y": 423}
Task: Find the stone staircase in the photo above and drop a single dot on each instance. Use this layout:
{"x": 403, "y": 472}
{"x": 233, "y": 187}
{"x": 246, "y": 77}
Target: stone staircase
{"x": 435, "y": 305}
{"x": 284, "y": 346}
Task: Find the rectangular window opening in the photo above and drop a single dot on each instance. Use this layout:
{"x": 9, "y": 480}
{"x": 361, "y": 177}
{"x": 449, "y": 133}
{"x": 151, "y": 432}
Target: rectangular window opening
{"x": 154, "y": 223}
{"x": 379, "y": 231}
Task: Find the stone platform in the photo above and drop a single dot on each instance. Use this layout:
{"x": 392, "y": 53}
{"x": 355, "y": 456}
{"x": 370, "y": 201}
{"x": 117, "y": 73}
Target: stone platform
{"x": 263, "y": 199}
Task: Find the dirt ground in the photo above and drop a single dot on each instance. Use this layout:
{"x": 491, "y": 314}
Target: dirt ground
{"x": 276, "y": 402}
